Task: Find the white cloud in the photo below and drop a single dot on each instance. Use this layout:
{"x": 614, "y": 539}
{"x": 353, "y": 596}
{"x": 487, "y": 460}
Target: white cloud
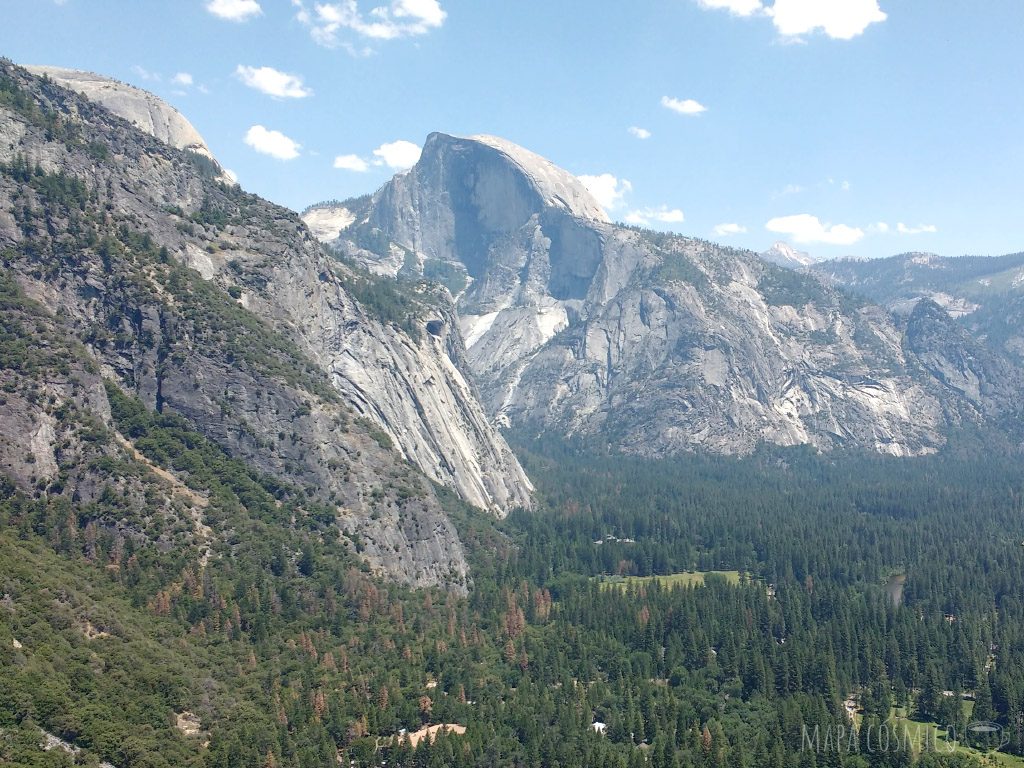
{"x": 234, "y": 10}
{"x": 789, "y": 189}
{"x": 182, "y": 78}
{"x": 663, "y": 215}
{"x": 606, "y": 189}
{"x": 839, "y": 19}
{"x": 400, "y": 18}
{"x": 425, "y": 11}
{"x": 725, "y": 230}
{"x": 845, "y": 186}
{"x": 735, "y": 7}
{"x": 903, "y": 229}
{"x": 272, "y": 82}
{"x": 398, "y": 155}
{"x": 683, "y": 106}
{"x": 145, "y": 74}
{"x": 881, "y": 228}
{"x": 351, "y": 163}
{"x": 232, "y": 176}
{"x": 804, "y": 228}
{"x": 640, "y": 133}
{"x": 273, "y": 143}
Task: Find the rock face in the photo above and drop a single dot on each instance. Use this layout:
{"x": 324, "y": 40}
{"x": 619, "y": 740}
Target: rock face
{"x": 516, "y": 240}
{"x": 972, "y": 372}
{"x": 652, "y": 342}
{"x": 412, "y": 382}
{"x": 214, "y": 304}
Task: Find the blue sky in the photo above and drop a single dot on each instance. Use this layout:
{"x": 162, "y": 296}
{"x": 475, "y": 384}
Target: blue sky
{"x": 864, "y": 127}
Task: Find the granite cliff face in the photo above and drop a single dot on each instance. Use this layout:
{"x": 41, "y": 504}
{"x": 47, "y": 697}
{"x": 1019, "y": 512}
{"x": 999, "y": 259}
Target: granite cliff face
{"x": 517, "y": 242}
{"x": 207, "y": 302}
{"x": 652, "y": 342}
{"x": 967, "y": 367}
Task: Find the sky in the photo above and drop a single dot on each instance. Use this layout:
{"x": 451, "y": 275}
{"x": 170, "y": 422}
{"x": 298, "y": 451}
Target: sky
{"x": 843, "y": 127}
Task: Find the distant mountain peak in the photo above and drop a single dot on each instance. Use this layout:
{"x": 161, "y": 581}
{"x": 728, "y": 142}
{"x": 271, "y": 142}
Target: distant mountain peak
{"x": 785, "y": 255}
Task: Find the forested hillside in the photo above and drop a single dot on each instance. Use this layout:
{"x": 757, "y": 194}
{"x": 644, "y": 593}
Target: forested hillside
{"x": 286, "y": 652}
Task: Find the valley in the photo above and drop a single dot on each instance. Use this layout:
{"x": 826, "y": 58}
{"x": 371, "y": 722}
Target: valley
{"x": 464, "y": 473}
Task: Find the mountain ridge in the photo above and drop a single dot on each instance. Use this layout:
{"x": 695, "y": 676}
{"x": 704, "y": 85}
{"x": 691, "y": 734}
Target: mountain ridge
{"x": 659, "y": 342}
{"x": 148, "y": 112}
{"x": 201, "y": 299}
